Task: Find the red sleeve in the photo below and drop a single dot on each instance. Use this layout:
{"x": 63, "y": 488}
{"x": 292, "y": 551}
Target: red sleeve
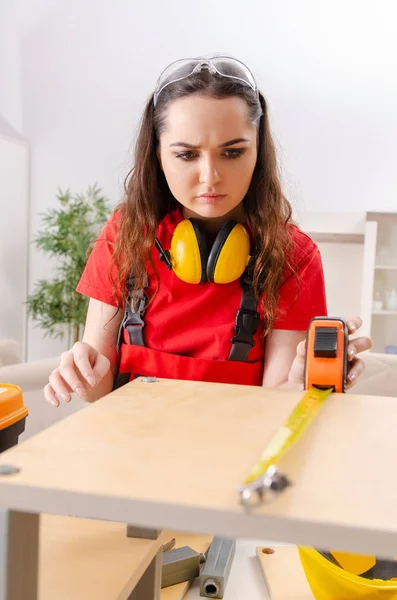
{"x": 298, "y": 305}
{"x": 96, "y": 281}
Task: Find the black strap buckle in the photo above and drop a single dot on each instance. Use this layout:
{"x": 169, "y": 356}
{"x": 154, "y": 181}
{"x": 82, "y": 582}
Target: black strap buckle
{"x": 133, "y": 322}
{"x": 133, "y": 319}
{"x": 136, "y": 310}
{"x": 247, "y": 322}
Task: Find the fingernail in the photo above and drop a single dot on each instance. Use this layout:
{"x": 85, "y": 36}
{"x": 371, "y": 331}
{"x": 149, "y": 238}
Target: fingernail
{"x": 352, "y": 327}
{"x": 352, "y": 376}
{"x": 54, "y": 403}
{"x": 90, "y": 380}
{"x": 351, "y": 352}
{"x": 65, "y": 397}
{"x": 80, "y": 392}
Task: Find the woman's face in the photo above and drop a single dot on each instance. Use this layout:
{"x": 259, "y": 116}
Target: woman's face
{"x": 208, "y": 152}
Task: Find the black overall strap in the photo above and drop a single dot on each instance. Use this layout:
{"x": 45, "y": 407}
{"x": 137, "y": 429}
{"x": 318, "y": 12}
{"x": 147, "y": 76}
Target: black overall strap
{"x": 247, "y": 321}
{"x": 133, "y": 322}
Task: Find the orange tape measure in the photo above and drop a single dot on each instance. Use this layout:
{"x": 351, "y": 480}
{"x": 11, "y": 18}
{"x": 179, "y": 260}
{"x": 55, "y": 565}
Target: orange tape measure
{"x": 325, "y": 372}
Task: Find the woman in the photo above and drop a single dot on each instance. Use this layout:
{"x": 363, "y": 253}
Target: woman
{"x": 222, "y": 283}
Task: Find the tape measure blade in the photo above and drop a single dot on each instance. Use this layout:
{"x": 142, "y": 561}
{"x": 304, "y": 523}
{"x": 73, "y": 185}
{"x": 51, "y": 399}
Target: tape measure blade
{"x": 292, "y": 429}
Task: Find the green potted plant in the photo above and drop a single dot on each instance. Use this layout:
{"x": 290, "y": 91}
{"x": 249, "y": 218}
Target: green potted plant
{"x": 66, "y": 234}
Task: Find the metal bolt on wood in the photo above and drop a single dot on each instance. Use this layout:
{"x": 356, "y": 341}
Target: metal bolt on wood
{"x": 8, "y": 470}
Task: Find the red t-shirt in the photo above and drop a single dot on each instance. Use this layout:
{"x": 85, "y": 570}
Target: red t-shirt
{"x": 198, "y": 320}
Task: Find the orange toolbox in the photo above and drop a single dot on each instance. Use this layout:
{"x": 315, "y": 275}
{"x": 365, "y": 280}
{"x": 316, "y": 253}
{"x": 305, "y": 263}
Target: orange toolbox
{"x": 13, "y": 413}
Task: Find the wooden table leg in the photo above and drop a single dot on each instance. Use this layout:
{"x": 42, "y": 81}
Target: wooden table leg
{"x": 149, "y": 586}
{"x": 19, "y": 555}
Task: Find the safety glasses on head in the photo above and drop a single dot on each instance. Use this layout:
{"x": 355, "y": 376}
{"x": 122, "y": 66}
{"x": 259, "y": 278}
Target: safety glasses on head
{"x": 225, "y": 66}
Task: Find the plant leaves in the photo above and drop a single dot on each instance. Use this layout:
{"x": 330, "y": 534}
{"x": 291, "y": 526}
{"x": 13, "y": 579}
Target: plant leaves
{"x": 66, "y": 234}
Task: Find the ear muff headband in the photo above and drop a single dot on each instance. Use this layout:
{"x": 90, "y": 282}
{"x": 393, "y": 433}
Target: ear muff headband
{"x": 217, "y": 248}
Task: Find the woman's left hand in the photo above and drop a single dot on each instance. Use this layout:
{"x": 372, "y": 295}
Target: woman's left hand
{"x": 355, "y": 346}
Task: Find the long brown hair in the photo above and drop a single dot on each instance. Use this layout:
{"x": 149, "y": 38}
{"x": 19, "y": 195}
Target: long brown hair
{"x": 148, "y": 197}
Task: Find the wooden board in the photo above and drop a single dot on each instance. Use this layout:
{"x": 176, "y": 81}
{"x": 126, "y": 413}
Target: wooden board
{"x": 82, "y": 558}
{"x": 172, "y": 454}
{"x": 199, "y": 543}
{"x": 283, "y": 573}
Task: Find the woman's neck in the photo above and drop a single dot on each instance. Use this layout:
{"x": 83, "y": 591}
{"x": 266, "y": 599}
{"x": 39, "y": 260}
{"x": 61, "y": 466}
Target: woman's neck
{"x": 212, "y": 225}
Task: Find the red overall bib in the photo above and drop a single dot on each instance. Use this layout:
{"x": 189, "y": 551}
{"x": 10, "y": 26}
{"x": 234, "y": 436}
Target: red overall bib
{"x": 189, "y": 329}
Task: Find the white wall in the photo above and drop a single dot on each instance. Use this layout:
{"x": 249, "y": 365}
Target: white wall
{"x": 327, "y": 68}
{"x": 14, "y": 179}
{"x": 340, "y": 238}
{"x": 10, "y": 73}
{"x": 16, "y": 18}
{"x": 343, "y": 280}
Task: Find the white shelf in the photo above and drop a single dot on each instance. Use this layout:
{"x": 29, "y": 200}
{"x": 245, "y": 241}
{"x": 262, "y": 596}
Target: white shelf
{"x": 384, "y": 312}
{"x": 386, "y": 267}
{"x": 338, "y": 238}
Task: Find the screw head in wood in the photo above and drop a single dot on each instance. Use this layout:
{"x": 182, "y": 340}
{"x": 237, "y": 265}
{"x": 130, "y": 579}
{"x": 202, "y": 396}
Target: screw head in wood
{"x": 149, "y": 379}
{"x": 8, "y": 470}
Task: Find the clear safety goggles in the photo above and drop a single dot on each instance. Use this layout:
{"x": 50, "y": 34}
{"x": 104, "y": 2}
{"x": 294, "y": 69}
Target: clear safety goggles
{"x": 226, "y": 66}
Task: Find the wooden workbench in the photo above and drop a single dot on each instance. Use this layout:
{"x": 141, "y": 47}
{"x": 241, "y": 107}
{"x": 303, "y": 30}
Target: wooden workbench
{"x": 172, "y": 454}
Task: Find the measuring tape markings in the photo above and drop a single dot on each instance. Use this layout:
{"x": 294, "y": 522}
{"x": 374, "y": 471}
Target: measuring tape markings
{"x": 293, "y": 428}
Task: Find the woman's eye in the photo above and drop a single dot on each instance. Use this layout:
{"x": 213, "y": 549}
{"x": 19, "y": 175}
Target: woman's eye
{"x": 186, "y": 155}
{"x": 234, "y": 152}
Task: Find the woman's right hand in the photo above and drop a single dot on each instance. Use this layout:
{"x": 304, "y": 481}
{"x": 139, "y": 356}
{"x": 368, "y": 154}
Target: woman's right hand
{"x": 80, "y": 369}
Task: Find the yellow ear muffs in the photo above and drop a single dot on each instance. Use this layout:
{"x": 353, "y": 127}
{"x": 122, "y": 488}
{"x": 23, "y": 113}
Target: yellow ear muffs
{"x": 189, "y": 252}
{"x": 226, "y": 262}
{"x": 229, "y": 254}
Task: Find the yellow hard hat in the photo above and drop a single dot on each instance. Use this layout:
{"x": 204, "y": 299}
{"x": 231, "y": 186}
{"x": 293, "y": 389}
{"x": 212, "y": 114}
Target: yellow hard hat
{"x": 342, "y": 576}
